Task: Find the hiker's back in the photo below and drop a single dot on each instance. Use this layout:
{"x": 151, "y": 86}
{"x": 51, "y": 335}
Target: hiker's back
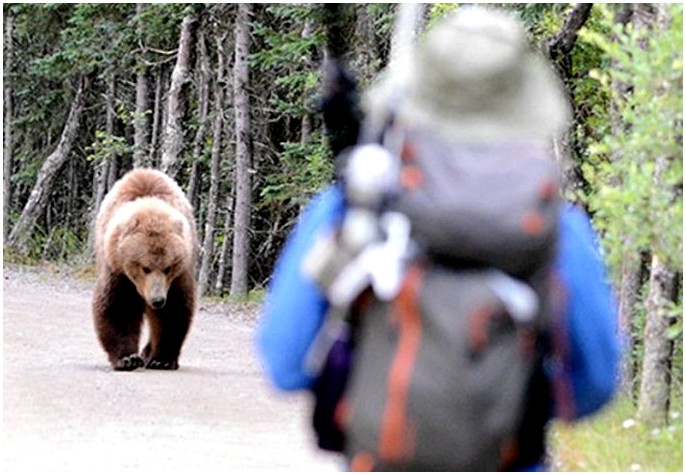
{"x": 446, "y": 359}
{"x": 420, "y": 312}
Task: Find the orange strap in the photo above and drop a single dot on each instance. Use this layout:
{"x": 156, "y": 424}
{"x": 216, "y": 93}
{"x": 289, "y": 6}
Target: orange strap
{"x": 397, "y": 434}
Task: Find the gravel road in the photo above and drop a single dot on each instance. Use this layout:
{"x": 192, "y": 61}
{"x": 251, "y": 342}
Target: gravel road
{"x": 66, "y": 411}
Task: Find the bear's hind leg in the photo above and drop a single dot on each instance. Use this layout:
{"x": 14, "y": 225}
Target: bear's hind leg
{"x": 118, "y": 316}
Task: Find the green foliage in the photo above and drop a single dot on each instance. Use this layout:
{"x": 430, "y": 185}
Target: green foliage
{"x": 290, "y": 56}
{"x": 159, "y": 24}
{"x": 305, "y": 168}
{"x": 91, "y": 41}
{"x": 106, "y": 147}
{"x": 638, "y": 169}
{"x": 61, "y": 244}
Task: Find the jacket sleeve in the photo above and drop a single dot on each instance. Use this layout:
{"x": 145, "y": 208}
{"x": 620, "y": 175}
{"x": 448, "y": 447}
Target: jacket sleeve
{"x": 295, "y": 307}
{"x": 591, "y": 340}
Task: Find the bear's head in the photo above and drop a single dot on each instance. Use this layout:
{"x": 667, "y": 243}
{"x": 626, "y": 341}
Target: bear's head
{"x": 151, "y": 244}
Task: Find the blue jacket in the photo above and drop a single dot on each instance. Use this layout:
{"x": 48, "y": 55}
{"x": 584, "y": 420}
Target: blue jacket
{"x": 587, "y": 346}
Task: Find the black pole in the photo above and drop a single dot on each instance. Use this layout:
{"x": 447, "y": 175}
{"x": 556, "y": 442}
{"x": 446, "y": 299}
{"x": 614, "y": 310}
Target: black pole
{"x": 340, "y": 99}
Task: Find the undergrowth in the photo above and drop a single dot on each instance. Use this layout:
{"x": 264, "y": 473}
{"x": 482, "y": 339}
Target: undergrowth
{"x": 615, "y": 441}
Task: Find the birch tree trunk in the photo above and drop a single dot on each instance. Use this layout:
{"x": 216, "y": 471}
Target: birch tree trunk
{"x": 204, "y": 77}
{"x": 38, "y": 199}
{"x": 7, "y": 129}
{"x": 102, "y": 180}
{"x": 207, "y": 251}
{"x": 157, "y": 106}
{"x": 241, "y": 238}
{"x": 141, "y": 122}
{"x": 224, "y": 250}
{"x": 111, "y": 117}
{"x": 306, "y": 122}
{"x": 172, "y": 142}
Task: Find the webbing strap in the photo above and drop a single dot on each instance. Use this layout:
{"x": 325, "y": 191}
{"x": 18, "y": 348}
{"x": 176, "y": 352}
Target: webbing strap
{"x": 398, "y": 433}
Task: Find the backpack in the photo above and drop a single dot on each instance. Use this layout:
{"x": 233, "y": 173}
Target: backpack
{"x": 432, "y": 348}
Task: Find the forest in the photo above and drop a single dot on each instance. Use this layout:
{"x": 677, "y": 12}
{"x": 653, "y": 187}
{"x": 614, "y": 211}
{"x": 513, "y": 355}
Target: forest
{"x": 226, "y": 99}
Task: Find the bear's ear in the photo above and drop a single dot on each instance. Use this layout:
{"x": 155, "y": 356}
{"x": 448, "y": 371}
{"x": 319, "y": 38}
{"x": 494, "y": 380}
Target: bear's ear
{"x": 179, "y": 226}
{"x": 131, "y": 226}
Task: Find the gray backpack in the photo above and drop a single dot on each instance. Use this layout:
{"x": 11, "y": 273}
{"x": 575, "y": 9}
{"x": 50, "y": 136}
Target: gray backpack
{"x": 441, "y": 369}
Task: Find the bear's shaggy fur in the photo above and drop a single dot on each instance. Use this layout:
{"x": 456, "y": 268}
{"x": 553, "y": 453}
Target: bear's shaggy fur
{"x": 145, "y": 243}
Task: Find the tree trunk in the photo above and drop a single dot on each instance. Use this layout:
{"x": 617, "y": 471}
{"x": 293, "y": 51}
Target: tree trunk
{"x": 559, "y": 50}
{"x": 102, "y": 176}
{"x": 365, "y": 49}
{"x": 224, "y": 251}
{"x": 7, "y": 130}
{"x": 241, "y": 238}
{"x": 172, "y": 143}
{"x": 204, "y": 77}
{"x": 111, "y": 117}
{"x": 653, "y": 398}
{"x": 36, "y": 204}
{"x": 207, "y": 251}
{"x": 306, "y": 121}
{"x": 631, "y": 281}
{"x": 632, "y": 266}
{"x": 154, "y": 134}
{"x": 141, "y": 122}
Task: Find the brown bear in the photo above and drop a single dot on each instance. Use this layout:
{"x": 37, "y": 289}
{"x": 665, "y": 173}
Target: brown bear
{"x": 145, "y": 247}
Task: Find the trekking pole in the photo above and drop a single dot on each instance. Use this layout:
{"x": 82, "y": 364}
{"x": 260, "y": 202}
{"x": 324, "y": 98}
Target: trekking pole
{"x": 407, "y": 20}
{"x": 404, "y": 33}
{"x": 340, "y": 103}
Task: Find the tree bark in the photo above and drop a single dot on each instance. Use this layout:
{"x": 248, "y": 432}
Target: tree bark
{"x": 306, "y": 121}
{"x": 630, "y": 287}
{"x": 632, "y": 266}
{"x": 365, "y": 50}
{"x": 224, "y": 251}
{"x": 141, "y": 121}
{"x": 111, "y": 117}
{"x": 241, "y": 237}
{"x": 559, "y": 50}
{"x": 102, "y": 174}
{"x": 653, "y": 398}
{"x": 36, "y": 204}
{"x": 154, "y": 134}
{"x": 172, "y": 143}
{"x": 204, "y": 77}
{"x": 207, "y": 251}
{"x": 7, "y": 129}
{"x": 561, "y": 45}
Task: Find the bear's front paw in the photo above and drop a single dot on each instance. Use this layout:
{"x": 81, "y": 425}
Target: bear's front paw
{"x": 128, "y": 363}
{"x": 158, "y": 364}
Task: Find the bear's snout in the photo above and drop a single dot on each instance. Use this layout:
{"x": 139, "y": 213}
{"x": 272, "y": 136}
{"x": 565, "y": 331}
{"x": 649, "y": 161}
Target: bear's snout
{"x": 156, "y": 290}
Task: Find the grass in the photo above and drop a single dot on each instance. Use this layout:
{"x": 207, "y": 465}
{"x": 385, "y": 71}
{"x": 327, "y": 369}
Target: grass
{"x": 614, "y": 441}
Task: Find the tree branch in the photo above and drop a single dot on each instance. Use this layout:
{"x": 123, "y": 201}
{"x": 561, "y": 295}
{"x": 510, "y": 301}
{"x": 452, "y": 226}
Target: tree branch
{"x": 562, "y": 43}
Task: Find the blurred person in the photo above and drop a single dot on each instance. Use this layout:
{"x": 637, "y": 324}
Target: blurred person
{"x": 471, "y": 80}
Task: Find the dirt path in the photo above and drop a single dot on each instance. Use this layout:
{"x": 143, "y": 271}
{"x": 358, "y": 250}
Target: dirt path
{"x": 65, "y": 411}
